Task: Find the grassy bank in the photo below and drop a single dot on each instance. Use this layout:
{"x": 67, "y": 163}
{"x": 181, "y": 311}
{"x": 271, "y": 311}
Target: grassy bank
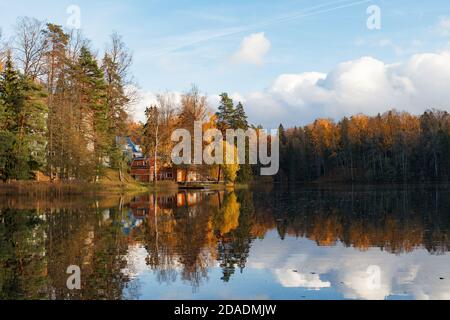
{"x": 108, "y": 184}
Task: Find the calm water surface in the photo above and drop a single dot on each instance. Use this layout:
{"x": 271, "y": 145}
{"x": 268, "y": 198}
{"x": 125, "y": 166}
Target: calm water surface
{"x": 303, "y": 243}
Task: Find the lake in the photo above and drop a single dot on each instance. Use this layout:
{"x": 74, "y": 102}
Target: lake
{"x": 308, "y": 242}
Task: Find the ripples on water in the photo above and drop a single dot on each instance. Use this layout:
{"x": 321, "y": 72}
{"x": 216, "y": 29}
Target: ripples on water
{"x": 303, "y": 243}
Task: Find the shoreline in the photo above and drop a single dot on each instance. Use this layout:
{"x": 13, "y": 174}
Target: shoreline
{"x": 30, "y": 188}
{"x": 26, "y": 188}
{"x": 68, "y": 188}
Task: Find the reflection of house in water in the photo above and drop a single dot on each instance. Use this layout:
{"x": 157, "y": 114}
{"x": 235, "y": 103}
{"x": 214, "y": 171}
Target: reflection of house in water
{"x": 131, "y": 222}
{"x": 144, "y": 205}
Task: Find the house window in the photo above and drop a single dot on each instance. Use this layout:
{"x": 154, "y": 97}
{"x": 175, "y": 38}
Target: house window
{"x": 169, "y": 175}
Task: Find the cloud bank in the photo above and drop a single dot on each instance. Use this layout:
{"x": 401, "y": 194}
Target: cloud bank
{"x": 365, "y": 85}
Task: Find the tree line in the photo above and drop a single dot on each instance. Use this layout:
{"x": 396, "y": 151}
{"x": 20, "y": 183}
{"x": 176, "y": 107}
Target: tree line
{"x": 390, "y": 147}
{"x": 61, "y": 107}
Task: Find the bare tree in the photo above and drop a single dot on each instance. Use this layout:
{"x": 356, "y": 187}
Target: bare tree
{"x": 121, "y": 57}
{"x": 30, "y": 45}
{"x": 5, "y": 50}
{"x": 194, "y": 107}
{"x": 2, "y": 53}
{"x": 76, "y": 42}
{"x": 158, "y": 129}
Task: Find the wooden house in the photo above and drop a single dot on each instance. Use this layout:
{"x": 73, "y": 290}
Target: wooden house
{"x": 142, "y": 170}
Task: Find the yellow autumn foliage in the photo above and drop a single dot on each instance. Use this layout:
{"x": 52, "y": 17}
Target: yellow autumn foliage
{"x": 227, "y": 218}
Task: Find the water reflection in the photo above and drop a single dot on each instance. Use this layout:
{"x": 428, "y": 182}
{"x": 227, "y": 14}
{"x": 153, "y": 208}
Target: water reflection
{"x": 305, "y": 243}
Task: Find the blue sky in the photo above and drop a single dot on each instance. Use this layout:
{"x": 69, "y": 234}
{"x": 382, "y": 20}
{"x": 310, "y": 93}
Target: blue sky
{"x": 176, "y": 43}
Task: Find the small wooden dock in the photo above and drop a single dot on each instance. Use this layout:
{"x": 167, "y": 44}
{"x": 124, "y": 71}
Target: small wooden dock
{"x": 197, "y": 185}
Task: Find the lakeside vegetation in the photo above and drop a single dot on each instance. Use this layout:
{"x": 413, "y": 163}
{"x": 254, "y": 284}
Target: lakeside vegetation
{"x": 62, "y": 106}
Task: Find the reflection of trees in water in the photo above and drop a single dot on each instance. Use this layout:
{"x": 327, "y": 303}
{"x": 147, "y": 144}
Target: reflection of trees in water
{"x": 187, "y": 240}
{"x": 395, "y": 220}
{"x": 22, "y": 255}
{"x": 37, "y": 249}
{"x": 234, "y": 244}
{"x": 179, "y": 241}
{"x": 92, "y": 240}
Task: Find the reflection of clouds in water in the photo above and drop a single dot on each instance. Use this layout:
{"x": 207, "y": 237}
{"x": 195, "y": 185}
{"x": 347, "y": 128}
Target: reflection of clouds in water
{"x": 135, "y": 259}
{"x": 416, "y": 274}
{"x": 289, "y": 279}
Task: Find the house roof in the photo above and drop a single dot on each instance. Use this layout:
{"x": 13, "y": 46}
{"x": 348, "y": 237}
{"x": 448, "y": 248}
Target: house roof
{"x": 129, "y": 143}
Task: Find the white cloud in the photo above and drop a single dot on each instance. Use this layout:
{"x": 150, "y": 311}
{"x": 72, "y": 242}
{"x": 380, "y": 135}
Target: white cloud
{"x": 443, "y": 26}
{"x": 365, "y": 85}
{"x": 253, "y": 49}
{"x": 144, "y": 99}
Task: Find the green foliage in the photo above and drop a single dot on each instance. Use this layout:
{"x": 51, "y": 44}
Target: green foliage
{"x": 239, "y": 118}
{"x": 23, "y": 127}
{"x": 225, "y": 113}
{"x": 93, "y": 90}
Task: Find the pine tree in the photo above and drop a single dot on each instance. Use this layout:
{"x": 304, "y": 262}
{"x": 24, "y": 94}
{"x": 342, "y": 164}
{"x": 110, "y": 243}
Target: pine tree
{"x": 12, "y": 96}
{"x": 59, "y": 154}
{"x": 34, "y": 126}
{"x": 230, "y": 117}
{"x": 11, "y": 92}
{"x": 225, "y": 113}
{"x": 116, "y": 99}
{"x": 22, "y": 114}
{"x": 94, "y": 98}
{"x": 239, "y": 121}
{"x": 239, "y": 118}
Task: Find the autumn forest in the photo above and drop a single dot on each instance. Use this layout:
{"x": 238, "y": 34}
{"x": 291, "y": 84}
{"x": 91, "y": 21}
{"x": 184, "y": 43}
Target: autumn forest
{"x": 62, "y": 107}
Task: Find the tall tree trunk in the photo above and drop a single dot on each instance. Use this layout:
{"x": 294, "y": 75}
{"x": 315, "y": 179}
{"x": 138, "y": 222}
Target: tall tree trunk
{"x": 155, "y": 159}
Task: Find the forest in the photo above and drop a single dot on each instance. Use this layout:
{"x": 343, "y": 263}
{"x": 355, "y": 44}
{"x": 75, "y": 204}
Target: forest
{"x": 62, "y": 105}
{"x": 390, "y": 147}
